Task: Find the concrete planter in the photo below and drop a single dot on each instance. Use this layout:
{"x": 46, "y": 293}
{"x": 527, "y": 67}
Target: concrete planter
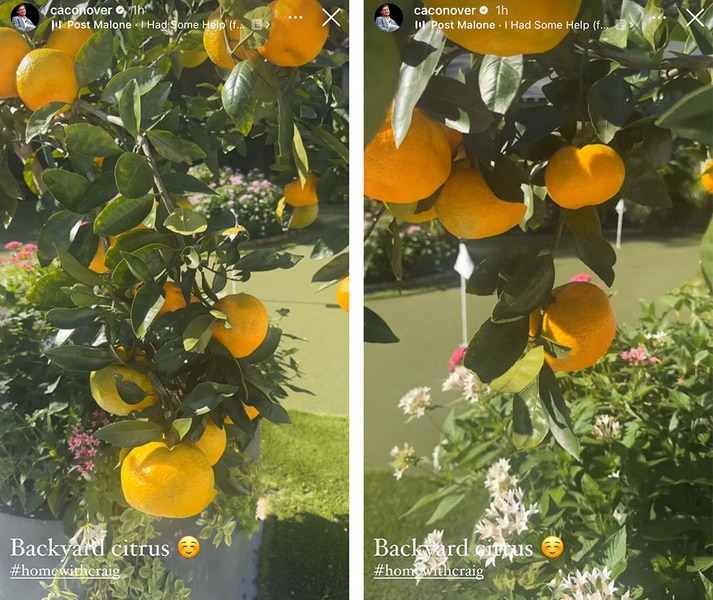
{"x": 219, "y": 574}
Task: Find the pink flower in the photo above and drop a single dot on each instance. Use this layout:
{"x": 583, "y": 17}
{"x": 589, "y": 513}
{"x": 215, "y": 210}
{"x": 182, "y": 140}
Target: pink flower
{"x": 31, "y": 247}
{"x": 13, "y": 245}
{"x": 638, "y": 356}
{"x": 581, "y": 277}
{"x": 456, "y": 358}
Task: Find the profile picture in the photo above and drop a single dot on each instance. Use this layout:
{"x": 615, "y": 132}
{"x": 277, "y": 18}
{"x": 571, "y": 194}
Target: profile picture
{"x": 25, "y": 17}
{"x": 388, "y": 17}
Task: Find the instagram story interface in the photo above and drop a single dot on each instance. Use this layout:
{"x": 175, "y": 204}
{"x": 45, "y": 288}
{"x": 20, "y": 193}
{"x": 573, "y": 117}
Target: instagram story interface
{"x": 173, "y": 182}
{"x": 538, "y": 184}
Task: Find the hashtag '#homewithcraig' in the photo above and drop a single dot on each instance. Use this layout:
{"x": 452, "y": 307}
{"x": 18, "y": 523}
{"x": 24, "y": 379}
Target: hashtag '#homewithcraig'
{"x": 15, "y": 570}
{"x": 379, "y": 570}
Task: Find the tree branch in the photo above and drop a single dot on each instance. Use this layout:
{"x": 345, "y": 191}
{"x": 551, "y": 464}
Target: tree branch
{"x": 645, "y": 63}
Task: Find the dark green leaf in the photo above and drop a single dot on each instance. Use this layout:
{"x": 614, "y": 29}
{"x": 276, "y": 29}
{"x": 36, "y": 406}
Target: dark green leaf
{"x": 591, "y": 247}
{"x": 376, "y": 331}
{"x": 133, "y": 174}
{"x": 334, "y": 270}
{"x": 130, "y": 108}
{"x": 77, "y": 270}
{"x": 129, "y": 434}
{"x": 122, "y": 214}
{"x": 445, "y": 506}
{"x": 182, "y": 183}
{"x": 610, "y": 105}
{"x": 81, "y": 358}
{"x": 198, "y": 332}
{"x": 499, "y": 80}
{"x": 237, "y": 95}
{"x": 40, "y": 120}
{"x": 71, "y": 318}
{"x": 128, "y": 391}
{"x": 644, "y": 185}
{"x": 66, "y": 187}
{"x": 146, "y": 79}
{"x": 419, "y": 60}
{"x": 530, "y": 422}
{"x": 456, "y": 104}
{"x": 136, "y": 266}
{"x": 331, "y": 243}
{"x": 185, "y": 222}
{"x": 55, "y": 232}
{"x": 90, "y": 140}
{"x": 495, "y": 348}
{"x": 145, "y": 306}
{"x": 528, "y": 288}
{"x": 300, "y": 155}
{"x": 170, "y": 146}
{"x": 557, "y": 412}
{"x": 205, "y": 397}
{"x": 100, "y": 191}
{"x": 94, "y": 57}
{"x": 267, "y": 348}
{"x": 269, "y": 409}
{"x": 135, "y": 240}
{"x": 267, "y": 260}
{"x": 691, "y": 117}
{"x": 485, "y": 277}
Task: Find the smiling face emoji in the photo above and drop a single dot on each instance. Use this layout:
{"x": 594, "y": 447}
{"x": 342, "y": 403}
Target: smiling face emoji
{"x": 552, "y": 546}
{"x": 188, "y": 546}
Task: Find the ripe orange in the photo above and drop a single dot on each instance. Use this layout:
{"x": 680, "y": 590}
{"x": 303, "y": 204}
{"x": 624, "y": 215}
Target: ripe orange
{"x": 503, "y": 40}
{"x": 296, "y": 195}
{"x": 454, "y": 137}
{"x": 46, "y": 75}
{"x": 414, "y": 170}
{"x": 343, "y": 293}
{"x": 579, "y": 317}
{"x": 97, "y": 265}
{"x": 469, "y": 209}
{"x": 175, "y": 482}
{"x": 587, "y": 176}
{"x": 217, "y": 47}
{"x": 295, "y": 41}
{"x": 173, "y": 300}
{"x": 707, "y": 178}
{"x": 248, "y": 321}
{"x": 212, "y": 442}
{"x": 102, "y": 384}
{"x": 13, "y": 48}
{"x": 69, "y": 38}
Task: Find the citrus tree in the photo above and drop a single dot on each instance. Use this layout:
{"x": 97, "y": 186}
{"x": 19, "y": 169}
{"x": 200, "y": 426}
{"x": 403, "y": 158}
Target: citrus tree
{"x": 102, "y": 118}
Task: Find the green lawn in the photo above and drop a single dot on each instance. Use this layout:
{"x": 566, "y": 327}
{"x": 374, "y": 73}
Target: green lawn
{"x": 304, "y": 469}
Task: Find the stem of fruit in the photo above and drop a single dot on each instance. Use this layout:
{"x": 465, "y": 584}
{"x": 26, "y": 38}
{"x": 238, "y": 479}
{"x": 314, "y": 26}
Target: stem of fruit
{"x": 372, "y": 225}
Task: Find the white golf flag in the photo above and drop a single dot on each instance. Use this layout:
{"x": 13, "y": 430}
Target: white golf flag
{"x": 464, "y": 263}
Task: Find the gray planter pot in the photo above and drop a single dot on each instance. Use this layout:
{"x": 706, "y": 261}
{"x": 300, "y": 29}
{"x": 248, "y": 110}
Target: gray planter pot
{"x": 224, "y": 573}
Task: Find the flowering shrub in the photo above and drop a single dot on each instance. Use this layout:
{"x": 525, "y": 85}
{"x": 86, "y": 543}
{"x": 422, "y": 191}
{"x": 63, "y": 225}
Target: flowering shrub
{"x": 634, "y": 511}
{"x": 251, "y": 197}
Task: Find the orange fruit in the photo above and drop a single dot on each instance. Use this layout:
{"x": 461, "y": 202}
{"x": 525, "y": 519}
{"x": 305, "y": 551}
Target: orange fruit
{"x": 192, "y": 58}
{"x": 13, "y": 48}
{"x": 102, "y": 384}
{"x": 69, "y": 37}
{"x": 248, "y": 323}
{"x": 173, "y": 299}
{"x": 503, "y": 39}
{"x": 707, "y": 178}
{"x": 414, "y": 170}
{"x": 454, "y": 137}
{"x": 46, "y": 75}
{"x": 587, "y": 176}
{"x": 343, "y": 293}
{"x": 297, "y": 195}
{"x": 469, "y": 209}
{"x": 212, "y": 441}
{"x": 97, "y": 265}
{"x": 579, "y": 316}
{"x": 292, "y": 41}
{"x": 407, "y": 212}
{"x": 220, "y": 38}
{"x": 175, "y": 482}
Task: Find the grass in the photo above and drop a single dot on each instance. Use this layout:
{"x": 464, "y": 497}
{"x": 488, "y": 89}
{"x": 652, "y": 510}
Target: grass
{"x": 304, "y": 468}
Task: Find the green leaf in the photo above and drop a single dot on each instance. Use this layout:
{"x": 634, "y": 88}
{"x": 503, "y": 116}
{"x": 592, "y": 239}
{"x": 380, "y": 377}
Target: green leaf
{"x": 495, "y": 348}
{"x": 335, "y": 270}
{"x": 182, "y": 183}
{"x": 284, "y": 126}
{"x": 499, "y": 80}
{"x": 94, "y": 57}
{"x": 100, "y": 191}
{"x": 55, "y": 232}
{"x": 205, "y": 397}
{"x": 77, "y": 270}
{"x": 420, "y": 58}
{"x": 376, "y": 330}
{"x": 66, "y": 187}
{"x": 133, "y": 174}
{"x": 459, "y": 106}
{"x": 644, "y": 184}
{"x": 145, "y": 306}
{"x": 691, "y": 117}
{"x": 530, "y": 422}
{"x": 557, "y": 412}
{"x": 707, "y": 255}
{"x": 198, "y": 333}
{"x": 445, "y": 506}
{"x": 146, "y": 79}
{"x": 300, "y": 154}
{"x": 90, "y": 140}
{"x": 331, "y": 243}
{"x": 145, "y": 264}
{"x": 122, "y": 214}
{"x": 170, "y": 146}
{"x": 237, "y": 95}
{"x": 338, "y": 147}
{"x": 185, "y": 222}
{"x": 136, "y": 266}
{"x": 591, "y": 247}
{"x": 40, "y": 120}
{"x": 72, "y": 318}
{"x": 528, "y": 288}
{"x": 267, "y": 260}
{"x": 485, "y": 277}
{"x": 610, "y": 105}
{"x": 130, "y": 108}
{"x": 615, "y": 553}
{"x": 133, "y": 241}
{"x": 81, "y": 358}
{"x": 130, "y": 433}
{"x": 521, "y": 374}
{"x": 267, "y": 348}
{"x": 651, "y": 20}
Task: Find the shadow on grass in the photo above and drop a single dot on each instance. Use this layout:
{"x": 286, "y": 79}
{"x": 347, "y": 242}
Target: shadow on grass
{"x": 308, "y": 558}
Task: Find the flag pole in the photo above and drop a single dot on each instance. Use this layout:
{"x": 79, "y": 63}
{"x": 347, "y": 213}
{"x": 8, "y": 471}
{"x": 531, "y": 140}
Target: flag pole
{"x": 464, "y": 266}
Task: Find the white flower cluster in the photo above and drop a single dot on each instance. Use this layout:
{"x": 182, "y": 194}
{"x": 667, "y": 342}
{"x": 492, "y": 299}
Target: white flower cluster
{"x": 416, "y": 401}
{"x": 498, "y": 479}
{"x": 89, "y": 536}
{"x": 430, "y": 556}
{"x": 588, "y": 585}
{"x": 657, "y": 338}
{"x": 465, "y": 381}
{"x": 403, "y": 459}
{"x": 607, "y": 428}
